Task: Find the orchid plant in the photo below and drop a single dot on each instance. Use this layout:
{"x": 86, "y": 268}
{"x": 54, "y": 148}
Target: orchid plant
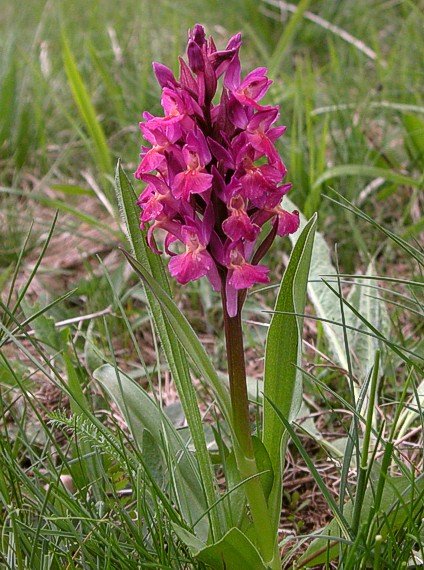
{"x": 214, "y": 187}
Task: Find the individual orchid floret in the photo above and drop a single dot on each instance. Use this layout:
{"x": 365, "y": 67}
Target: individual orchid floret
{"x": 194, "y": 179}
{"x": 196, "y": 261}
{"x": 218, "y": 179}
{"x": 253, "y": 87}
{"x": 239, "y": 225}
{"x": 241, "y": 275}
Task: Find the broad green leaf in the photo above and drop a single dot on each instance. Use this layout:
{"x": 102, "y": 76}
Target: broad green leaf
{"x": 368, "y": 172}
{"x": 194, "y": 543}
{"x": 326, "y": 305}
{"x": 400, "y": 501}
{"x": 142, "y": 412}
{"x": 370, "y": 305}
{"x": 236, "y": 504}
{"x": 363, "y": 297}
{"x": 233, "y": 552}
{"x": 411, "y": 411}
{"x": 282, "y": 378}
{"x": 152, "y": 458}
{"x": 153, "y": 274}
{"x": 93, "y": 356}
{"x": 9, "y": 372}
{"x": 264, "y": 465}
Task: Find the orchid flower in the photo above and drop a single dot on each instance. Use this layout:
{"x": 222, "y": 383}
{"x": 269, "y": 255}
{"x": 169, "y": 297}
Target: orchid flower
{"x": 215, "y": 157}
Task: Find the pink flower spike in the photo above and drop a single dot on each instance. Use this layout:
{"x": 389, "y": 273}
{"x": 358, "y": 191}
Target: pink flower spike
{"x": 221, "y": 153}
{"x": 194, "y": 180}
{"x": 195, "y": 57}
{"x": 276, "y": 133}
{"x": 263, "y": 120}
{"x": 150, "y": 161}
{"x": 214, "y": 278}
{"x": 196, "y": 143}
{"x": 186, "y": 78}
{"x": 152, "y": 208}
{"x": 213, "y": 174}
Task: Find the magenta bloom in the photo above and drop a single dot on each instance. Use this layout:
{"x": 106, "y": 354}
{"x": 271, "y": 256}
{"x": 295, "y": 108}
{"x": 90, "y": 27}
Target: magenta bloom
{"x": 219, "y": 177}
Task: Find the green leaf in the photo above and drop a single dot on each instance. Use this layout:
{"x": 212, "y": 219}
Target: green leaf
{"x": 368, "y": 302}
{"x": 365, "y": 298}
{"x": 9, "y": 372}
{"x": 264, "y": 465}
{"x": 236, "y": 505}
{"x": 152, "y": 458}
{"x": 194, "y": 543}
{"x": 326, "y": 305}
{"x": 313, "y": 470}
{"x": 171, "y": 327}
{"x": 142, "y": 412}
{"x": 282, "y": 379}
{"x": 368, "y": 172}
{"x": 232, "y": 552}
{"x": 401, "y": 500}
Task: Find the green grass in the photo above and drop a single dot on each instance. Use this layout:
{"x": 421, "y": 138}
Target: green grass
{"x": 74, "y": 82}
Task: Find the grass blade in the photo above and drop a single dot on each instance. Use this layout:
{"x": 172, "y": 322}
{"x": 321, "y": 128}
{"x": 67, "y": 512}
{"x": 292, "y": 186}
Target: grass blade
{"x": 86, "y": 109}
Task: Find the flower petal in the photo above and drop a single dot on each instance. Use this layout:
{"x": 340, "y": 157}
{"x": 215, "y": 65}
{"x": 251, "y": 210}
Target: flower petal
{"x": 245, "y": 275}
{"x": 288, "y": 223}
{"x": 190, "y": 266}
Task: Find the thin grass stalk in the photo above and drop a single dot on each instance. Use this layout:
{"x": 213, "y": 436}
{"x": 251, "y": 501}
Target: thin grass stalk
{"x": 287, "y": 36}
{"x": 363, "y": 467}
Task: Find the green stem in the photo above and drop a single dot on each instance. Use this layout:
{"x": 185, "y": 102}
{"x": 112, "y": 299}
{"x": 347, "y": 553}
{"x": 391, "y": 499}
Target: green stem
{"x": 243, "y": 447}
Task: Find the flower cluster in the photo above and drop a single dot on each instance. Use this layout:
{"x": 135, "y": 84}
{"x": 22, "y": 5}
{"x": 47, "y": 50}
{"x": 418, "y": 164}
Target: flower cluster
{"x": 218, "y": 174}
